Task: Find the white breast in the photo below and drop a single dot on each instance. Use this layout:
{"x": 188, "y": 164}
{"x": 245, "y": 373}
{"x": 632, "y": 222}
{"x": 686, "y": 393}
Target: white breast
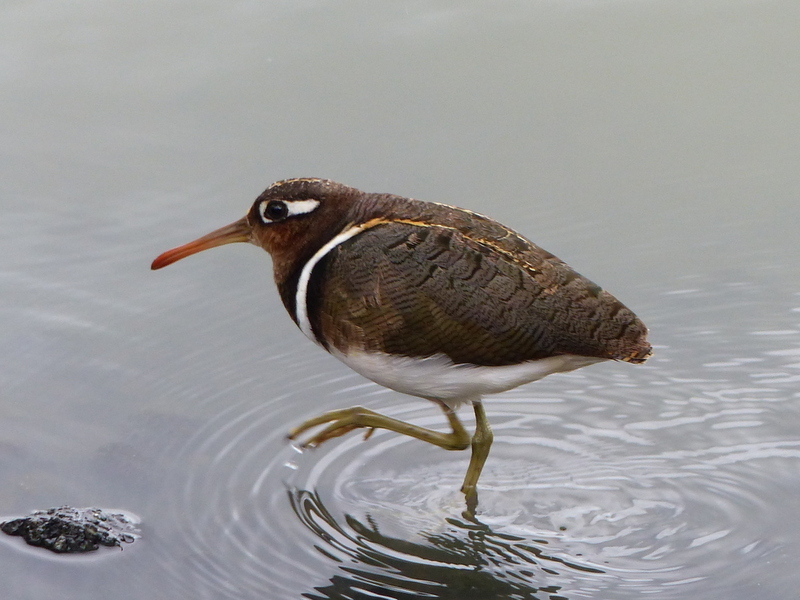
{"x": 437, "y": 378}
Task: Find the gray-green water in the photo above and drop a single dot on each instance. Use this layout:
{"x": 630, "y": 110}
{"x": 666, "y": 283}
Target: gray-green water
{"x": 652, "y": 145}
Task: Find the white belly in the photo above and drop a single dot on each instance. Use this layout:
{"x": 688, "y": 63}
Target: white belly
{"x": 437, "y": 378}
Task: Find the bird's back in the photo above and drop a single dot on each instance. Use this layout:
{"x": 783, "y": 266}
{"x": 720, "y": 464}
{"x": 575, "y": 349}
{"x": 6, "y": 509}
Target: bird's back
{"x": 424, "y": 279}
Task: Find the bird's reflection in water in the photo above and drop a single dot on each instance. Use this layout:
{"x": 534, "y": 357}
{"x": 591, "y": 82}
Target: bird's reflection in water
{"x": 466, "y": 560}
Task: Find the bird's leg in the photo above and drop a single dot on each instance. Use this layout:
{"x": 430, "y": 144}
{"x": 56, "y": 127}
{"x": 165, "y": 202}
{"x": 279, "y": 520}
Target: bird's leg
{"x": 346, "y": 420}
{"x": 481, "y": 442}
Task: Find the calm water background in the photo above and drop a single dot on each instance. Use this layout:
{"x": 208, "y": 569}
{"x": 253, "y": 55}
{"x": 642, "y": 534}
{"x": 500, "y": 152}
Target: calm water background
{"x": 652, "y": 145}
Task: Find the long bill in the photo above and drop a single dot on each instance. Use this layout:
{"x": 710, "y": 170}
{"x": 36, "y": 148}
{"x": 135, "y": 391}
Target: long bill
{"x": 240, "y": 231}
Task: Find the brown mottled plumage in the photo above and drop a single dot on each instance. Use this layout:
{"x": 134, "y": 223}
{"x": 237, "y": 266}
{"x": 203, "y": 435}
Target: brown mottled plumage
{"x": 417, "y": 288}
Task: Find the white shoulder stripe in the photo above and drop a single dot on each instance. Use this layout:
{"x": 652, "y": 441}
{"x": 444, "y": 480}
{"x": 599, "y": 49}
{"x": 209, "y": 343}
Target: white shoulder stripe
{"x": 301, "y": 300}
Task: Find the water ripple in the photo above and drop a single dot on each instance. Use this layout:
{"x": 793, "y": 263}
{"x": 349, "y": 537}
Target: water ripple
{"x": 597, "y": 486}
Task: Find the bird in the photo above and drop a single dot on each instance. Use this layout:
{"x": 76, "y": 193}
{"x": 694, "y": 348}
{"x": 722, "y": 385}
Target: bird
{"x": 425, "y": 299}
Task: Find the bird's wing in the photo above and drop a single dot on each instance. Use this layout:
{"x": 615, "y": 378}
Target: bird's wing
{"x": 483, "y": 296}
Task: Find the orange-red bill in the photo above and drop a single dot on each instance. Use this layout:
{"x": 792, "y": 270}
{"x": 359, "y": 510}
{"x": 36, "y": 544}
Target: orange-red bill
{"x": 235, "y": 232}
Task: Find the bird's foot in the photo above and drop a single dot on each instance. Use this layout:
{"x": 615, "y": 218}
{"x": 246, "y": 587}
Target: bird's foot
{"x": 471, "y": 497}
{"x": 340, "y": 422}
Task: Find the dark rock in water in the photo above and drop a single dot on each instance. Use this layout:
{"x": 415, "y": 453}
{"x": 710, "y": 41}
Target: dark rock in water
{"x": 70, "y": 530}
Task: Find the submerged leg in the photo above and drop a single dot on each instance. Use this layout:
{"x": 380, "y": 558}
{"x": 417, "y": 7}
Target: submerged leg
{"x": 481, "y": 442}
{"x": 346, "y": 420}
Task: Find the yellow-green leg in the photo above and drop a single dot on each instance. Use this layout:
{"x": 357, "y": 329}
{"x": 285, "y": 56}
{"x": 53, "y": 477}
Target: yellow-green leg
{"x": 481, "y": 443}
{"x": 346, "y": 420}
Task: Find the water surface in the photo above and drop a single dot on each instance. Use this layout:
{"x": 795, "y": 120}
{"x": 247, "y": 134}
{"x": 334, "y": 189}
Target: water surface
{"x": 652, "y": 145}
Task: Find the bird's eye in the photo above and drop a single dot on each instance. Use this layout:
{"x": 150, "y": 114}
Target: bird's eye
{"x": 274, "y": 210}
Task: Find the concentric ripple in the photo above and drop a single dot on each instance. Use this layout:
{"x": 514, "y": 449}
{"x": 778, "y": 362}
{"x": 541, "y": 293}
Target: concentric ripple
{"x": 561, "y": 522}
{"x": 584, "y": 495}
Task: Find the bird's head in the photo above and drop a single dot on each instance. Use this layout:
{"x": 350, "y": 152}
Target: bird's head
{"x": 287, "y": 220}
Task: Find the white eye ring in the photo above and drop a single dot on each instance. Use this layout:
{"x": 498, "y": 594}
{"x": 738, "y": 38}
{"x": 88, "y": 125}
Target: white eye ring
{"x": 291, "y": 208}
{"x": 272, "y": 211}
